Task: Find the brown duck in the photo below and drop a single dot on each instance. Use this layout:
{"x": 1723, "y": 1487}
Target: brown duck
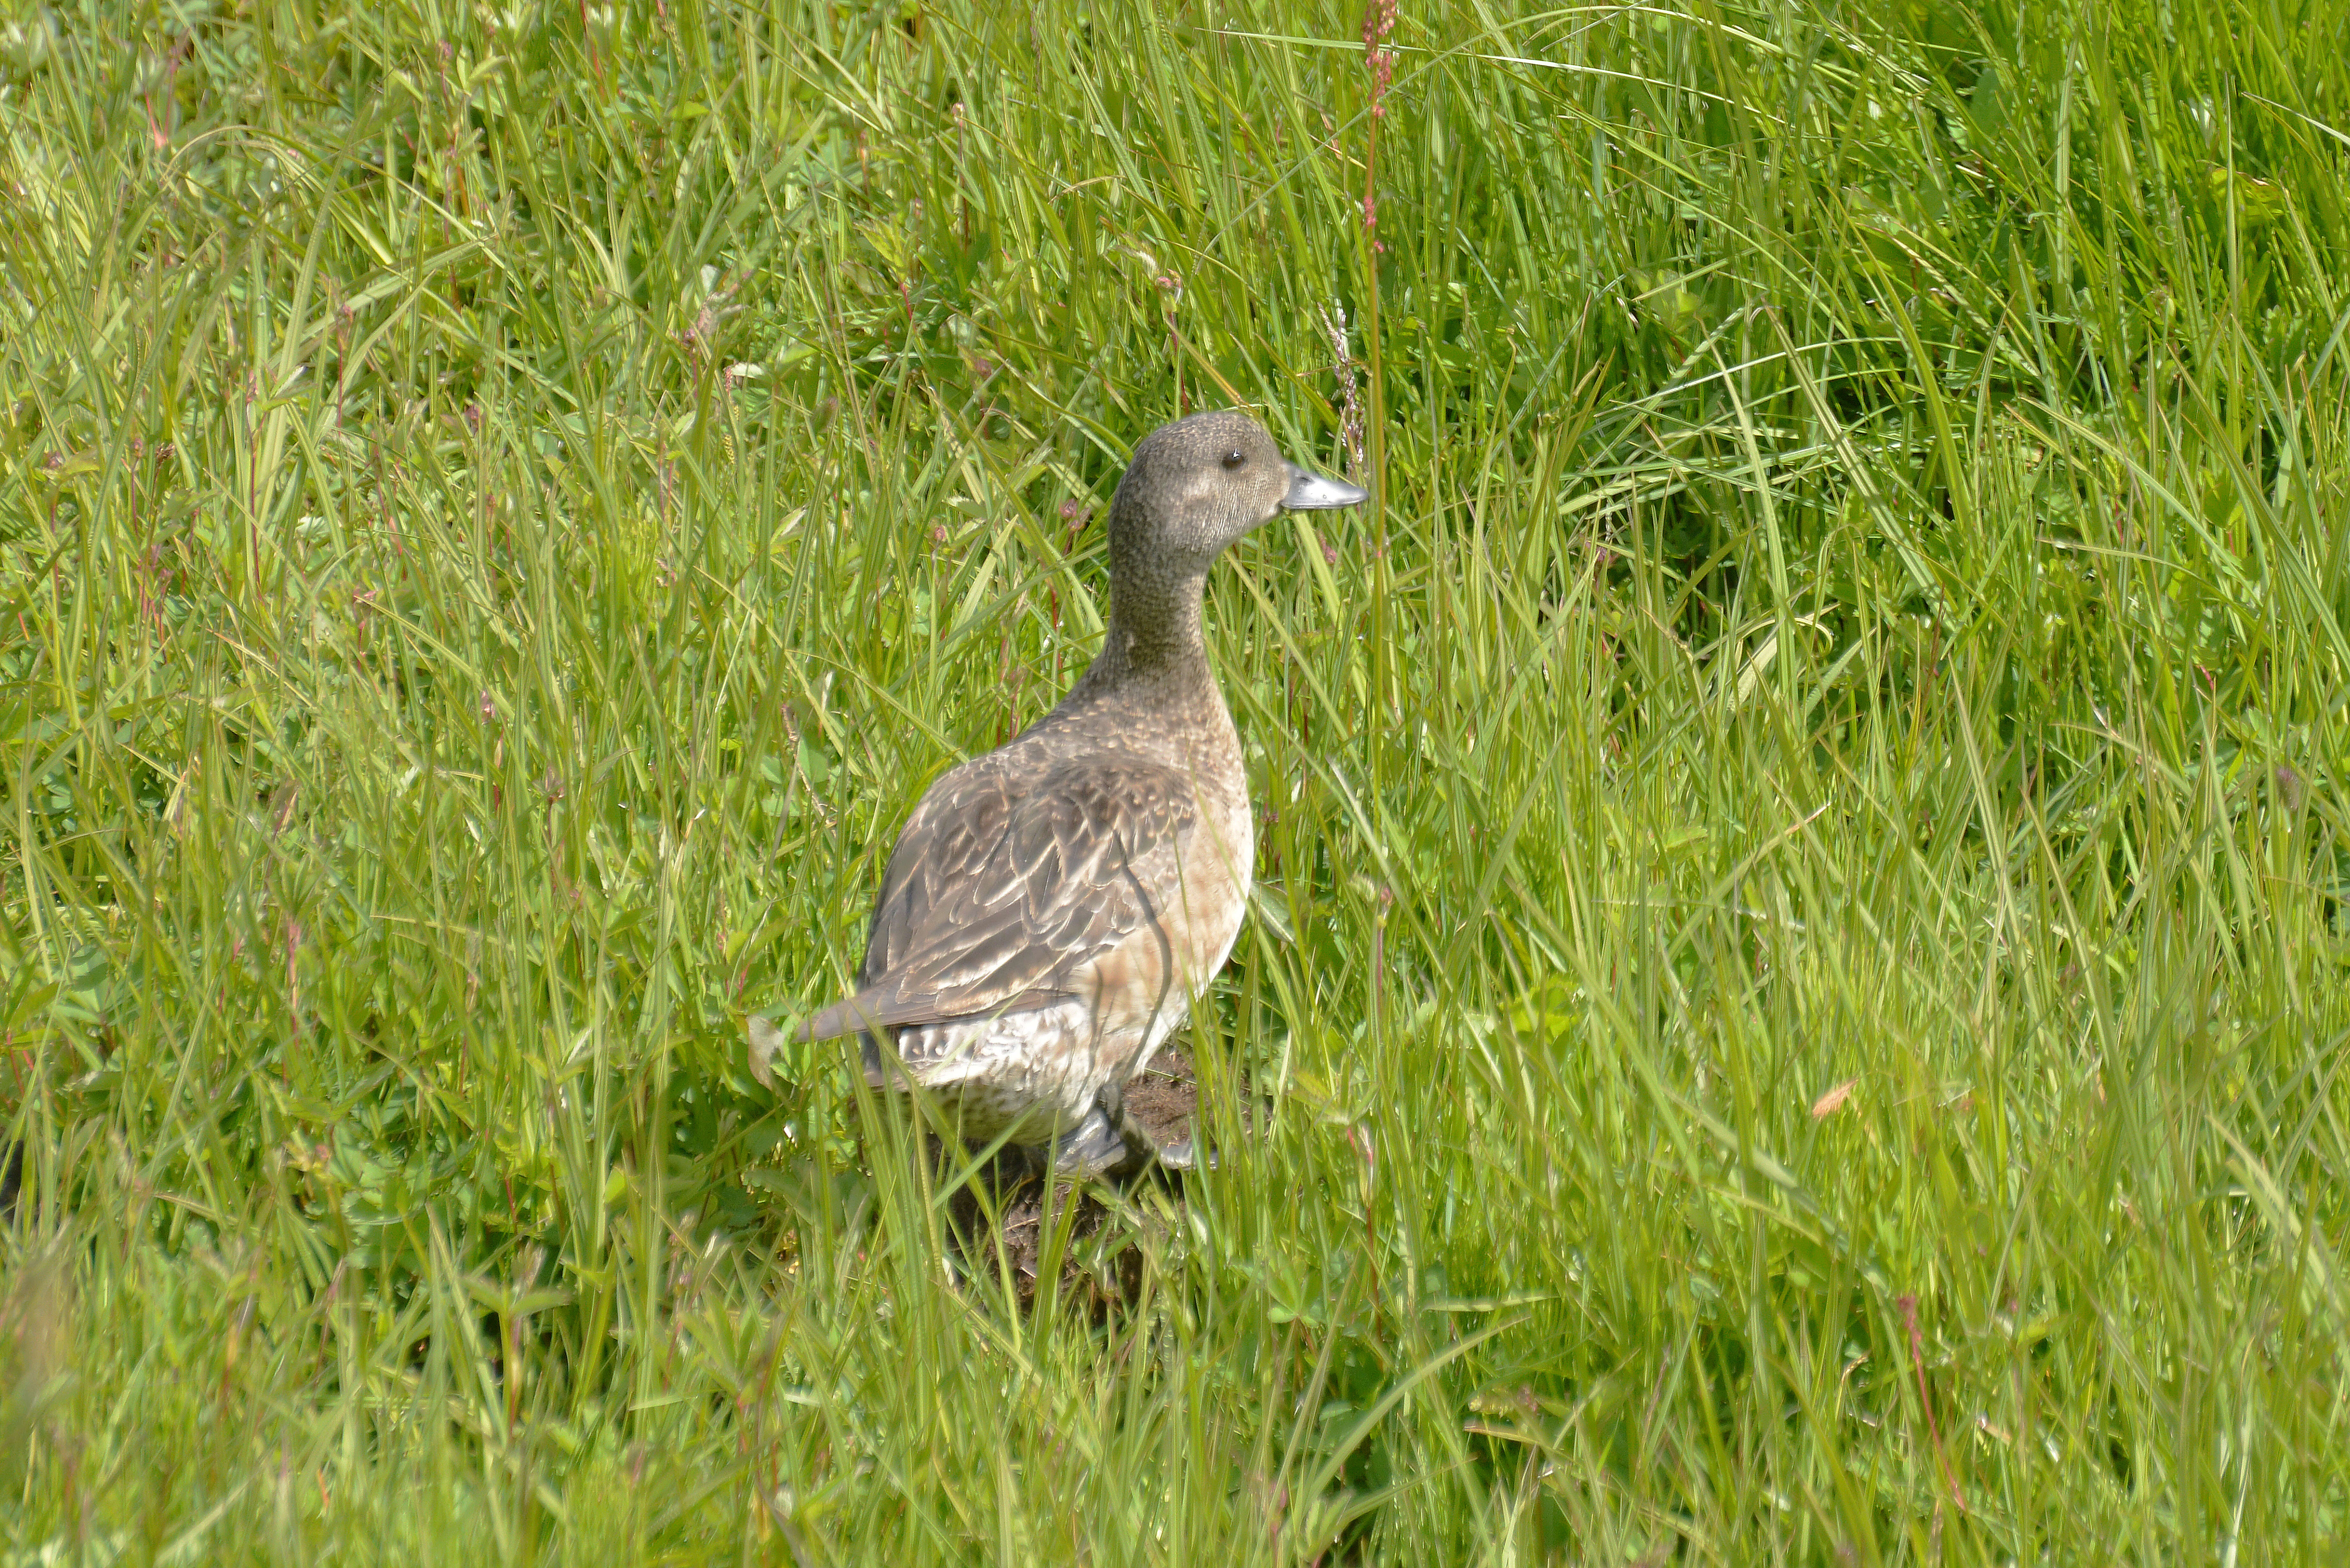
{"x": 1052, "y": 907}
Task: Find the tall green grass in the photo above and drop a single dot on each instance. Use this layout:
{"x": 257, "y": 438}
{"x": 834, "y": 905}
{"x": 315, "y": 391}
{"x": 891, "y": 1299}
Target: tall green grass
{"x": 1800, "y": 973}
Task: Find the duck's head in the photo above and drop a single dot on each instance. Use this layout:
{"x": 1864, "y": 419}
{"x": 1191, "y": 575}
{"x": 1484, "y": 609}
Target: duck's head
{"x": 1196, "y": 484}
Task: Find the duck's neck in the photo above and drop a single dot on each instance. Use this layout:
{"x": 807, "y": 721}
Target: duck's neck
{"x": 1154, "y": 656}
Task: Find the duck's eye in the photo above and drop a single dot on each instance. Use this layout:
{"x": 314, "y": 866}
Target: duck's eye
{"x": 1234, "y": 458}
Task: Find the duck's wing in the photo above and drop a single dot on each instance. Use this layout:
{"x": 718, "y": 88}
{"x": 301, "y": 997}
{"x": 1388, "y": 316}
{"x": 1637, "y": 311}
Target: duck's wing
{"x": 998, "y": 894}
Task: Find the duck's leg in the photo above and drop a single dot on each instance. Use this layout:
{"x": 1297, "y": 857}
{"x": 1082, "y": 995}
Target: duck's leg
{"x": 1091, "y": 1148}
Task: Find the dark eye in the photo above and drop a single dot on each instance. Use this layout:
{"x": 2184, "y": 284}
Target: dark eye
{"x": 1234, "y": 458}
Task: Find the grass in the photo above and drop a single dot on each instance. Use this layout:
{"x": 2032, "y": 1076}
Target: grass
{"x": 1802, "y": 963}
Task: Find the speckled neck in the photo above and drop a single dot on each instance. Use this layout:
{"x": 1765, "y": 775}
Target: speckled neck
{"x": 1155, "y": 652}
{"x": 1152, "y": 678}
{"x": 1154, "y": 623}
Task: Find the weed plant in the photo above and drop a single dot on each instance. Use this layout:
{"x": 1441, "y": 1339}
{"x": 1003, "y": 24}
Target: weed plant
{"x": 1800, "y": 968}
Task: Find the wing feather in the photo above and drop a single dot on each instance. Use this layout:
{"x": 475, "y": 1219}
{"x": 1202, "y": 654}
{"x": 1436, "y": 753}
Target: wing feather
{"x": 997, "y": 896}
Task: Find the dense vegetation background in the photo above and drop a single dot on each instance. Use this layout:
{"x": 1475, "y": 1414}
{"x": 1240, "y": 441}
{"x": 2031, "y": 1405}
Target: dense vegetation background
{"x": 1801, "y": 970}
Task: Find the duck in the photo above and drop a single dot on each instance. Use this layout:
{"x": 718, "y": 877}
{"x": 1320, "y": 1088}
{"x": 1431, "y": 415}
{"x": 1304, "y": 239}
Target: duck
{"x": 1053, "y": 907}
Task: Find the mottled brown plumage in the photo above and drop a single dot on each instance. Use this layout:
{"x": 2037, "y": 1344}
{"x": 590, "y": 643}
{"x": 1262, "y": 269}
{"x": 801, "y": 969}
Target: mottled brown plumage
{"x": 1052, "y": 907}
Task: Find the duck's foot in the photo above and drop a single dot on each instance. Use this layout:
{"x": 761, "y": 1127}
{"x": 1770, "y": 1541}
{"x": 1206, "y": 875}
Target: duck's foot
{"x": 1092, "y": 1149}
{"x": 1186, "y": 1156}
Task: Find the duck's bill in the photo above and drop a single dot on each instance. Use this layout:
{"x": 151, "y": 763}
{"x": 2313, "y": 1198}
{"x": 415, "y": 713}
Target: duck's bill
{"x": 1310, "y": 492}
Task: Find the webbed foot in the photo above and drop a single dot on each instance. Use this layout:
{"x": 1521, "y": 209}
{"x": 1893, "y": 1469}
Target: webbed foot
{"x": 1186, "y": 1156}
{"x": 1092, "y": 1148}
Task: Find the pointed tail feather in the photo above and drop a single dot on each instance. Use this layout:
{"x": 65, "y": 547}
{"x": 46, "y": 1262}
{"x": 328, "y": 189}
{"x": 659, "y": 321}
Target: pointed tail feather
{"x": 864, "y": 1014}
